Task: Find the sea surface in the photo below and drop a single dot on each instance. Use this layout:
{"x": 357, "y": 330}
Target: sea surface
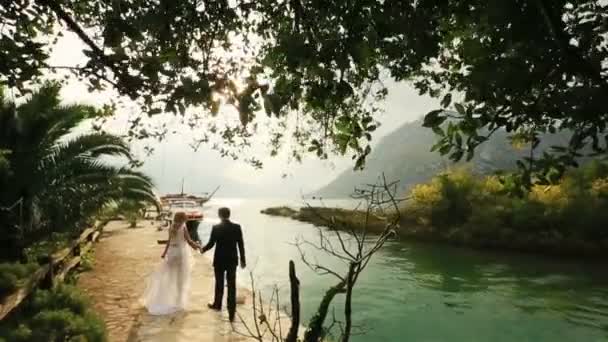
{"x": 429, "y": 292}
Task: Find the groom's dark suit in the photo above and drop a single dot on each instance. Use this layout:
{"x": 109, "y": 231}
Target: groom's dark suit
{"x": 227, "y": 236}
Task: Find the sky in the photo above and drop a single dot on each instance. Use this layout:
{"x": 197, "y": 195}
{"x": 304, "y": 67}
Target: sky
{"x": 174, "y": 160}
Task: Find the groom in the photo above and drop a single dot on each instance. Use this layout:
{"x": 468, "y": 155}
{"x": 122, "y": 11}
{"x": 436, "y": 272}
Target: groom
{"x": 228, "y": 236}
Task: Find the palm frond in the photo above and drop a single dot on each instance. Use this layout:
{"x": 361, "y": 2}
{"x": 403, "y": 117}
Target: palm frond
{"x": 63, "y": 179}
{"x": 92, "y": 145}
{"x": 65, "y": 119}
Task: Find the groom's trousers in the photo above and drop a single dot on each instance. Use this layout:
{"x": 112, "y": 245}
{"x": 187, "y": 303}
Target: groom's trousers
{"x": 228, "y": 272}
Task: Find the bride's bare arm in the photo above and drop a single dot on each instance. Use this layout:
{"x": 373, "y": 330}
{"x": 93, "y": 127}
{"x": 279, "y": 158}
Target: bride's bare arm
{"x": 189, "y": 240}
{"x": 167, "y": 245}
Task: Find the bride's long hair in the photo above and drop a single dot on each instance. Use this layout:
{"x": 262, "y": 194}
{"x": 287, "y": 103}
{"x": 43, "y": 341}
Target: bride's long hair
{"x": 178, "y": 220}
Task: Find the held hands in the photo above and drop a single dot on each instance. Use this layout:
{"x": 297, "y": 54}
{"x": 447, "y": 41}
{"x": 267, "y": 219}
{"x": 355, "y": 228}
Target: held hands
{"x": 195, "y": 244}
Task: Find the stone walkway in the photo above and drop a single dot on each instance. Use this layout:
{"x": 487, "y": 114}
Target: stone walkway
{"x": 123, "y": 258}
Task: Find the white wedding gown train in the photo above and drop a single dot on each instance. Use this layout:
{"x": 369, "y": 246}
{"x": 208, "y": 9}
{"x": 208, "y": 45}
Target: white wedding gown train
{"x": 168, "y": 287}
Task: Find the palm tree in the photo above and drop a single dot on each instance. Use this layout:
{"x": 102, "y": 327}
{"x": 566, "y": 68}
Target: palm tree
{"x": 58, "y": 177}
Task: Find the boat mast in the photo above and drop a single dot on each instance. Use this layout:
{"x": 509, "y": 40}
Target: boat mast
{"x": 182, "y": 186}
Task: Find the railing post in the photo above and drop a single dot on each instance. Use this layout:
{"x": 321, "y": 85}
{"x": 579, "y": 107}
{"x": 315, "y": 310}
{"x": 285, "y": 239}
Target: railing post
{"x": 48, "y": 282}
{"x": 53, "y": 269}
{"x": 76, "y": 251}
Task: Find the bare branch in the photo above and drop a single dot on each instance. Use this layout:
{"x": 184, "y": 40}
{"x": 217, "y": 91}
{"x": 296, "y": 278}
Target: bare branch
{"x": 357, "y": 245}
{"x": 381, "y": 204}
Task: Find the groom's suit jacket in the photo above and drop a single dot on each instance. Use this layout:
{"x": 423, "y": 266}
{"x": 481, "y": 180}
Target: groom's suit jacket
{"x": 227, "y": 236}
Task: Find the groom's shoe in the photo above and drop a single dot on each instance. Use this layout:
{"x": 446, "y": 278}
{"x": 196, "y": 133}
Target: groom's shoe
{"x": 213, "y": 307}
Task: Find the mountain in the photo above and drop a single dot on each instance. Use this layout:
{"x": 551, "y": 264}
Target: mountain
{"x": 405, "y": 155}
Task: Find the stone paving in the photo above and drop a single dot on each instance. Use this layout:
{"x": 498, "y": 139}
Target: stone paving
{"x": 123, "y": 258}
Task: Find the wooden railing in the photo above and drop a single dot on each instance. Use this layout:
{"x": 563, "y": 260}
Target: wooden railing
{"x": 53, "y": 268}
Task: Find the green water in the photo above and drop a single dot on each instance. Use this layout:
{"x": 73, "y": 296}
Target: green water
{"x": 427, "y": 292}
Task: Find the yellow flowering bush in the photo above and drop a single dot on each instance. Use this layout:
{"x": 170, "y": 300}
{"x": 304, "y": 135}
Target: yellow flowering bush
{"x": 599, "y": 187}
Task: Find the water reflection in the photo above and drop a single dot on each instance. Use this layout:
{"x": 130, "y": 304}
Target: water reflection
{"x": 576, "y": 293}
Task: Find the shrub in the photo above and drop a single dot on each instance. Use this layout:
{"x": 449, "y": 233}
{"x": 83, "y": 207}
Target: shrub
{"x": 599, "y": 188}
{"x": 527, "y": 215}
{"x": 446, "y": 200}
{"x": 53, "y": 243}
{"x": 455, "y": 207}
{"x": 486, "y": 222}
{"x": 62, "y": 314}
{"x": 65, "y": 297}
{"x": 12, "y": 274}
{"x": 65, "y": 325}
{"x": 491, "y": 187}
{"x": 424, "y": 198}
{"x": 8, "y": 283}
{"x": 585, "y": 216}
{"x": 577, "y": 206}
{"x": 87, "y": 261}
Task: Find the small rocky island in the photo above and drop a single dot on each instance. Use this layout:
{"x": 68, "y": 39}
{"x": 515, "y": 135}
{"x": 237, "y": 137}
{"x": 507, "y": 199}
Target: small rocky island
{"x": 331, "y": 217}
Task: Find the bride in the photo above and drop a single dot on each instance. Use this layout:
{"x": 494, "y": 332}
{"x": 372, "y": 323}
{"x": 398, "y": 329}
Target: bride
{"x": 168, "y": 286}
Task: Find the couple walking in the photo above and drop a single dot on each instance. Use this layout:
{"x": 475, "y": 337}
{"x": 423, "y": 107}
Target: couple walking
{"x": 168, "y": 287}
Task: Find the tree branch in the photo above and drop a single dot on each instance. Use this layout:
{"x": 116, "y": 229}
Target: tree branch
{"x": 555, "y": 26}
{"x": 74, "y": 27}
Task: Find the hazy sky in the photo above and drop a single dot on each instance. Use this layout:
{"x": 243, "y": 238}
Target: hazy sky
{"x": 204, "y": 169}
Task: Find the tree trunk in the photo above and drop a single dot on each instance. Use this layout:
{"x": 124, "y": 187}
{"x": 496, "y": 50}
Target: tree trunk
{"x": 315, "y": 331}
{"x": 347, "y": 305}
{"x": 292, "y": 336}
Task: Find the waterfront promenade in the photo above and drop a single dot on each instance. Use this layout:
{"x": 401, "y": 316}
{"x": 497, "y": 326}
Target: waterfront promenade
{"x": 123, "y": 258}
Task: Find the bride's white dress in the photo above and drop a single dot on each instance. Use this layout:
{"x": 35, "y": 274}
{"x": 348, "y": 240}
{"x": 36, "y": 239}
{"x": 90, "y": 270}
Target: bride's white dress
{"x": 168, "y": 287}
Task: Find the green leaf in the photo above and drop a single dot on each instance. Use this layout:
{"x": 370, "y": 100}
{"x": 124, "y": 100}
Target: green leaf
{"x": 451, "y": 129}
{"x": 434, "y": 118}
{"x": 520, "y": 165}
{"x": 460, "y": 108}
{"x": 447, "y": 100}
{"x": 458, "y": 139}
{"x": 360, "y": 163}
{"x": 343, "y": 125}
{"x": 470, "y": 154}
{"x": 457, "y": 155}
{"x": 437, "y": 130}
{"x": 437, "y": 146}
{"x": 445, "y": 149}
